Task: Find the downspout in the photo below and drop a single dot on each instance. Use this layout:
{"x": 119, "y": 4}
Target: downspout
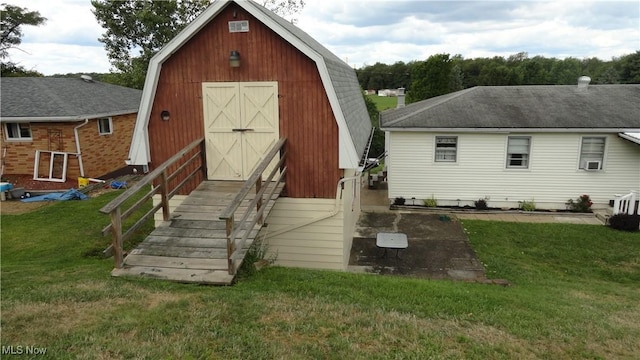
{"x": 78, "y": 153}
{"x": 334, "y": 212}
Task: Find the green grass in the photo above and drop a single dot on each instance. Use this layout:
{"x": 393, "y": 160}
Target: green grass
{"x": 384, "y": 102}
{"x": 575, "y": 294}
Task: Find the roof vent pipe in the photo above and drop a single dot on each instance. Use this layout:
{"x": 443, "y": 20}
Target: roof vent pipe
{"x": 583, "y": 83}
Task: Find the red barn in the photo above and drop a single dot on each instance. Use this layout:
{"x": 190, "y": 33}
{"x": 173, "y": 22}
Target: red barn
{"x": 241, "y": 77}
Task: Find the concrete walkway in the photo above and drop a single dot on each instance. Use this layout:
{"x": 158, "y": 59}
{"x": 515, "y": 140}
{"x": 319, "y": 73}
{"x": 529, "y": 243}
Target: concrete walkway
{"x": 570, "y": 218}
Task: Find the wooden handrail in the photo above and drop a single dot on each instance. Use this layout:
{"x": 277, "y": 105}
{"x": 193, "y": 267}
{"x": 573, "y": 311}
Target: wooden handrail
{"x": 255, "y": 176}
{"x": 148, "y": 179}
{"x": 161, "y": 174}
{"x": 233, "y": 228}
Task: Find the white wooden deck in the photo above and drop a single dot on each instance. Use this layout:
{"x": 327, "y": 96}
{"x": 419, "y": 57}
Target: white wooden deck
{"x": 193, "y": 247}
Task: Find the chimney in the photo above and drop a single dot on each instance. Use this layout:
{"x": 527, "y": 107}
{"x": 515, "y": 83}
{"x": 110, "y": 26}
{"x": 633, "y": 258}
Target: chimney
{"x": 400, "y": 98}
{"x": 583, "y": 83}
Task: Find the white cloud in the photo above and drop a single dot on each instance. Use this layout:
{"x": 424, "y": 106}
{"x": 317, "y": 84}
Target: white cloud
{"x": 56, "y": 58}
{"x": 366, "y": 32}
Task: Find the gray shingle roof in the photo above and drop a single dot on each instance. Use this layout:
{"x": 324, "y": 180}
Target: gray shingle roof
{"x": 64, "y": 99}
{"x": 535, "y": 106}
{"x": 343, "y": 79}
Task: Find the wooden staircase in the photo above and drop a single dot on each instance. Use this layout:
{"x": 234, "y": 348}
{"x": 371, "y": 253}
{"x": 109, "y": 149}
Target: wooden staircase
{"x": 206, "y": 238}
{"x": 192, "y": 247}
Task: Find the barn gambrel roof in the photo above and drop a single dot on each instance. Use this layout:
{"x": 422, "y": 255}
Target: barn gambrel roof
{"x": 339, "y": 80}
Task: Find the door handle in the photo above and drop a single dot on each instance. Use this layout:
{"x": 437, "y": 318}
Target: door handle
{"x": 241, "y": 130}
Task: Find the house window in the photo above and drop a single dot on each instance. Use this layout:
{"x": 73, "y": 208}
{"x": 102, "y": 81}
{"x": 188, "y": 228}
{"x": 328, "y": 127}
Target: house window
{"x": 446, "y": 148}
{"x": 592, "y": 153}
{"x": 518, "y": 148}
{"x": 105, "y": 126}
{"x": 17, "y": 131}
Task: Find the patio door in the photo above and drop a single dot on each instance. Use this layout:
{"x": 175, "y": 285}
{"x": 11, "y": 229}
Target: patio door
{"x": 241, "y": 123}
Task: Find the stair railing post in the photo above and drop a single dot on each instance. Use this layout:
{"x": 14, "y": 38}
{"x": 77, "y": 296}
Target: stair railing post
{"x": 164, "y": 196}
{"x": 230, "y": 245}
{"x": 259, "y": 203}
{"x": 203, "y": 159}
{"x": 116, "y": 230}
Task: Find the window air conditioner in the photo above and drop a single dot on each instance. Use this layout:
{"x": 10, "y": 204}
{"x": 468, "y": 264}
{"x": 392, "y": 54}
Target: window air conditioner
{"x": 592, "y": 166}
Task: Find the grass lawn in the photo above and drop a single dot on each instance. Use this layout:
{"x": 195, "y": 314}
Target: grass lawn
{"x": 384, "y": 102}
{"x": 575, "y": 294}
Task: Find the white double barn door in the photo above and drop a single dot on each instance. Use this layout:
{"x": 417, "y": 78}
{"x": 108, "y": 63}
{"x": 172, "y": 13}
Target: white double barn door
{"x": 240, "y": 124}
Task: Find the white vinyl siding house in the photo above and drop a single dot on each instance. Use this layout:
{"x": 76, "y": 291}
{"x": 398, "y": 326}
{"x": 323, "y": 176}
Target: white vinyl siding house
{"x": 543, "y": 143}
{"x": 552, "y": 178}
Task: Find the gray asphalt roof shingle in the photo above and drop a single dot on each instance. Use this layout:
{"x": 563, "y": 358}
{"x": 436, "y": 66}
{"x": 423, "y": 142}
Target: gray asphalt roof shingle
{"x": 64, "y": 99}
{"x": 534, "y": 106}
{"x": 343, "y": 79}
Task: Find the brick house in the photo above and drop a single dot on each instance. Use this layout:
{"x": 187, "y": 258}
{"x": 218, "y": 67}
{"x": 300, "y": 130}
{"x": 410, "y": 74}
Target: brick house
{"x": 63, "y": 128}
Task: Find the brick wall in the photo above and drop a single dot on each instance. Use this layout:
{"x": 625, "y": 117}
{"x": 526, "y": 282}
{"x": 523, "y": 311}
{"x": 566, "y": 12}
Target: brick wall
{"x": 101, "y": 154}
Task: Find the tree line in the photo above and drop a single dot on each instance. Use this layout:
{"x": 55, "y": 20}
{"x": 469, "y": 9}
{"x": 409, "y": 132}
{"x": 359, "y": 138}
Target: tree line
{"x": 442, "y": 73}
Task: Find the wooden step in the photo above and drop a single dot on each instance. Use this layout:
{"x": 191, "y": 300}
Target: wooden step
{"x": 193, "y": 247}
{"x": 176, "y": 262}
{"x": 211, "y": 277}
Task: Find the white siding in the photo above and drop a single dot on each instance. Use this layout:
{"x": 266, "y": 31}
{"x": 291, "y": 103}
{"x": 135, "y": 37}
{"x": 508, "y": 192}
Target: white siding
{"x": 351, "y": 207}
{"x": 319, "y": 245}
{"x": 480, "y": 172}
{"x": 322, "y": 244}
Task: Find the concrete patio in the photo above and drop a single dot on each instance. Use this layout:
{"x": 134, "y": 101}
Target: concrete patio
{"x": 438, "y": 247}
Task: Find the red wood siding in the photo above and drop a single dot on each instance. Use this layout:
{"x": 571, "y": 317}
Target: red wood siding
{"x": 306, "y": 118}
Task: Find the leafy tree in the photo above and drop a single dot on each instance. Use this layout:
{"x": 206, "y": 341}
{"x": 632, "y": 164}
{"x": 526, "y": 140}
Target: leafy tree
{"x": 9, "y": 69}
{"x": 146, "y": 26}
{"x": 609, "y": 76}
{"x": 285, "y": 8}
{"x": 456, "y": 78}
{"x": 431, "y": 78}
{"x": 566, "y": 72}
{"x": 516, "y": 69}
{"x": 630, "y": 68}
{"x": 140, "y": 25}
{"x": 13, "y": 17}
{"x": 11, "y": 22}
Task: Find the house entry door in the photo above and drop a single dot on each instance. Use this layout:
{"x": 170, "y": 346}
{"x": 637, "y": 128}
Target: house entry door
{"x": 241, "y": 123}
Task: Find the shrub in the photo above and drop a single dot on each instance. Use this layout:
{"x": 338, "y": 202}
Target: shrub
{"x": 625, "y": 222}
{"x": 481, "y": 204}
{"x": 581, "y": 204}
{"x": 399, "y": 201}
{"x": 528, "y": 205}
{"x": 431, "y": 202}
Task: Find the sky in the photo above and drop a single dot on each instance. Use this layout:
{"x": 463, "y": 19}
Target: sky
{"x": 365, "y": 32}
